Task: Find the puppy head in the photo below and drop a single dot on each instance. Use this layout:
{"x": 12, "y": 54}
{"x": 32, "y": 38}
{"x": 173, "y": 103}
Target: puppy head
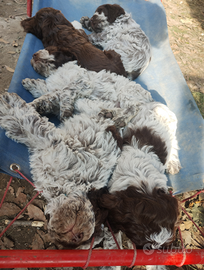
{"x": 105, "y": 15}
{"x": 46, "y": 61}
{"x": 144, "y": 218}
{"x": 44, "y": 21}
{"x": 71, "y": 220}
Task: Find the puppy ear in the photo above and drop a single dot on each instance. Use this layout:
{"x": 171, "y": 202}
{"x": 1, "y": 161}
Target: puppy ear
{"x": 116, "y": 135}
{"x": 61, "y": 55}
{"x": 116, "y": 58}
{"x": 112, "y": 54}
{"x": 114, "y": 11}
{"x": 100, "y": 211}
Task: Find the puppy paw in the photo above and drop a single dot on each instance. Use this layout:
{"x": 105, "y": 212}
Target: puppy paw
{"x": 85, "y": 22}
{"x": 106, "y": 113}
{"x": 116, "y": 115}
{"x": 8, "y": 102}
{"x": 173, "y": 167}
{"x": 29, "y": 84}
{"x": 36, "y": 87}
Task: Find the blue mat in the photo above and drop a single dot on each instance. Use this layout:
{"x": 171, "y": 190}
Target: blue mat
{"x": 163, "y": 78}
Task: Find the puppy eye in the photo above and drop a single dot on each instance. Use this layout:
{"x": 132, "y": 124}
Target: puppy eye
{"x": 160, "y": 191}
{"x": 100, "y": 10}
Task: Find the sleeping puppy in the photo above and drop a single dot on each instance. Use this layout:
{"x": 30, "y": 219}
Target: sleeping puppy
{"x": 114, "y": 29}
{"x": 68, "y": 163}
{"x": 139, "y": 202}
{"x": 69, "y": 43}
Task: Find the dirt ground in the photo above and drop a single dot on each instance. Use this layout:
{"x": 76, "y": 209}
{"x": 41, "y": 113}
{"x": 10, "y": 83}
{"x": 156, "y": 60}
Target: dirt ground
{"x": 186, "y": 33}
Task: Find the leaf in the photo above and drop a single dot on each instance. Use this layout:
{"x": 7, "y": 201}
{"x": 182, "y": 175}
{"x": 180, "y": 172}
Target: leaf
{"x": 188, "y": 224}
{"x": 9, "y": 209}
{"x": 182, "y": 227}
{"x": 198, "y": 214}
{"x": 35, "y": 213}
{"x": 37, "y": 242}
{"x": 186, "y": 21}
{"x": 11, "y": 52}
{"x": 9, "y": 244}
{"x": 187, "y": 237}
{"x": 4, "y": 41}
{"x": 15, "y": 44}
{"x": 9, "y": 69}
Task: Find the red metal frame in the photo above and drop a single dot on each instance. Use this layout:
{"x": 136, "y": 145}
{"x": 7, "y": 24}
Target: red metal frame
{"x": 29, "y": 8}
{"x": 76, "y": 258}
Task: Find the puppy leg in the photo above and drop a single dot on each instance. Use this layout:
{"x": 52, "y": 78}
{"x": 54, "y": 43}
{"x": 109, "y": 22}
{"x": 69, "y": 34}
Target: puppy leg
{"x": 48, "y": 103}
{"x": 109, "y": 243}
{"x": 60, "y": 103}
{"x": 36, "y": 87}
{"x": 23, "y": 124}
{"x": 120, "y": 117}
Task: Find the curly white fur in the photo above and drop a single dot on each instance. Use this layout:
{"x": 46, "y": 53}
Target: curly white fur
{"x": 124, "y": 36}
{"x": 74, "y": 88}
{"x": 65, "y": 162}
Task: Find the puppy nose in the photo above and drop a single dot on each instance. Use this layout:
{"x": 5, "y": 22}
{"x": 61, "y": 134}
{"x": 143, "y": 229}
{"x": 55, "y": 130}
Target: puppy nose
{"x": 35, "y": 56}
{"x": 77, "y": 237}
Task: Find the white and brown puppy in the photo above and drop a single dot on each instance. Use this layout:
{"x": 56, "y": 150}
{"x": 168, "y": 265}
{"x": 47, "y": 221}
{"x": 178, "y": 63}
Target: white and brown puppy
{"x": 114, "y": 29}
{"x": 67, "y": 163}
{"x": 139, "y": 202}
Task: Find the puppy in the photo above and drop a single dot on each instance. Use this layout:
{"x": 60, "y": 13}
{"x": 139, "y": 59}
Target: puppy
{"x": 67, "y": 164}
{"x": 138, "y": 185}
{"x": 77, "y": 90}
{"x": 114, "y": 29}
{"x": 54, "y": 29}
{"x": 139, "y": 203}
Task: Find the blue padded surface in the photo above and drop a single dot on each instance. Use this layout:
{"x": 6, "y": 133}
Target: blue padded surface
{"x": 163, "y": 78}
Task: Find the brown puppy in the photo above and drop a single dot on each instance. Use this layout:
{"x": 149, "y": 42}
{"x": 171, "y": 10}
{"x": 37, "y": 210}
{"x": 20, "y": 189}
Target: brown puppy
{"x": 54, "y": 29}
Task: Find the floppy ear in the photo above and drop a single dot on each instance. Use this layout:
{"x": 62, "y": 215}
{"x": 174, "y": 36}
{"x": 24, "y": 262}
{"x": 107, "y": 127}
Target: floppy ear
{"x": 61, "y": 55}
{"x": 114, "y": 11}
{"x": 116, "y": 58}
{"x": 116, "y": 135}
{"x": 100, "y": 211}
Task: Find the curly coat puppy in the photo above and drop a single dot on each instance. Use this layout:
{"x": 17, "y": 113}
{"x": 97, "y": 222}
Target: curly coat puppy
{"x": 60, "y": 93}
{"x": 114, "y": 29}
{"x": 138, "y": 200}
{"x": 67, "y": 164}
{"x": 54, "y": 29}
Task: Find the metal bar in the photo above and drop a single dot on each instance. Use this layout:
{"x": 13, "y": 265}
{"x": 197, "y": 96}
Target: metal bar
{"x": 29, "y": 8}
{"x": 77, "y": 258}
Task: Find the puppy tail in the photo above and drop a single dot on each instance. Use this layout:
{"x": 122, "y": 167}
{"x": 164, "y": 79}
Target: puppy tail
{"x": 136, "y": 73}
{"x": 23, "y": 124}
